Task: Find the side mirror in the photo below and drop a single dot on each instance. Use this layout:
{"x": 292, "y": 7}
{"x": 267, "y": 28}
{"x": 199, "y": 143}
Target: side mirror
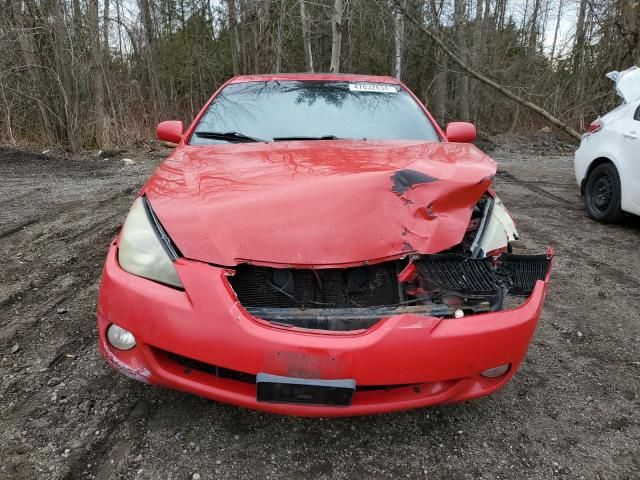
{"x": 461, "y": 132}
{"x": 169, "y": 131}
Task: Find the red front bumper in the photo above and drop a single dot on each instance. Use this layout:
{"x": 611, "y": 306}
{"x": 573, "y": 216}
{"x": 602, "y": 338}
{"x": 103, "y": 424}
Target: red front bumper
{"x": 438, "y": 360}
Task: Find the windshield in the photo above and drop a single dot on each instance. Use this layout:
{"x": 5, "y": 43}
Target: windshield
{"x": 312, "y": 110}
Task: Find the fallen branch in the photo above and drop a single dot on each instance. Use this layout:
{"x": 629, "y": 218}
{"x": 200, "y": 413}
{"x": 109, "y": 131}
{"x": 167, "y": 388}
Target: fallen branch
{"x": 484, "y": 79}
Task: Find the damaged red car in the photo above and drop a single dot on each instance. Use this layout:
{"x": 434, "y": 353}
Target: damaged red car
{"x": 316, "y": 245}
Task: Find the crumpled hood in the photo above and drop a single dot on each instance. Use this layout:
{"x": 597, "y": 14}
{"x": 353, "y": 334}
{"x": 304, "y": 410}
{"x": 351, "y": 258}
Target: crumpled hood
{"x": 329, "y": 203}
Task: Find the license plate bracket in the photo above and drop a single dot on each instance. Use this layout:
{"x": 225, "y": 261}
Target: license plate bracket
{"x": 305, "y": 391}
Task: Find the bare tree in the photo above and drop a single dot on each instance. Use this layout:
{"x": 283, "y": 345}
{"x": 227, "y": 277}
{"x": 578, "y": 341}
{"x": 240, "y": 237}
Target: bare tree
{"x": 477, "y": 52}
{"x": 32, "y": 64}
{"x": 64, "y": 71}
{"x": 440, "y": 80}
{"x": 279, "y": 36}
{"x": 233, "y": 31}
{"x": 336, "y": 31}
{"x": 578, "y": 50}
{"x": 533, "y": 26}
{"x": 306, "y": 37}
{"x": 399, "y": 42}
{"x": 105, "y": 26}
{"x": 147, "y": 23}
{"x": 555, "y": 32}
{"x": 59, "y": 83}
{"x": 96, "y": 68}
{"x": 462, "y": 93}
{"x": 491, "y": 83}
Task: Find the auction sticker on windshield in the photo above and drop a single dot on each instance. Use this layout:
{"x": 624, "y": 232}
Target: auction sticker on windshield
{"x": 372, "y": 87}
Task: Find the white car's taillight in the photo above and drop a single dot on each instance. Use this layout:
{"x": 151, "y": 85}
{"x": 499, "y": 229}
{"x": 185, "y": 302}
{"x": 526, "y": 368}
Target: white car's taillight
{"x": 594, "y": 127}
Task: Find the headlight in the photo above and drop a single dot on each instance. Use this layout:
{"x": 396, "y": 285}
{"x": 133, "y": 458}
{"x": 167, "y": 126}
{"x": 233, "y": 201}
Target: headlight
{"x": 496, "y": 229}
{"x": 141, "y": 252}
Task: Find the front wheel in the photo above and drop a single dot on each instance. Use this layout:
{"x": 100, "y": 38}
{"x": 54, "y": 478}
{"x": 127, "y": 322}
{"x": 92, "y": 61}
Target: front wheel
{"x": 602, "y": 194}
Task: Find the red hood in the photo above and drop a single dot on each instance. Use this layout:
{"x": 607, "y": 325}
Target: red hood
{"x": 324, "y": 203}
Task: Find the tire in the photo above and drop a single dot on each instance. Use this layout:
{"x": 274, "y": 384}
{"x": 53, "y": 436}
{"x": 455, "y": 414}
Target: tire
{"x": 602, "y": 194}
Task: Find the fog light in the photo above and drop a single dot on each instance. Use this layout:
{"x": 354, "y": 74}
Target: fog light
{"x": 496, "y": 371}
{"x": 120, "y": 338}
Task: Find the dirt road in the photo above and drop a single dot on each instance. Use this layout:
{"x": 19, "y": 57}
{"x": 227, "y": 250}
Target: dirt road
{"x": 571, "y": 412}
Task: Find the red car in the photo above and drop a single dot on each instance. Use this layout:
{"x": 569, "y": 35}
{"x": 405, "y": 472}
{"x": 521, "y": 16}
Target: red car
{"x": 316, "y": 245}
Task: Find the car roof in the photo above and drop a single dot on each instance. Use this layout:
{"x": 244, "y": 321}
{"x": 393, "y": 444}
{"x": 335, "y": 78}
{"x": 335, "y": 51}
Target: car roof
{"x": 327, "y": 77}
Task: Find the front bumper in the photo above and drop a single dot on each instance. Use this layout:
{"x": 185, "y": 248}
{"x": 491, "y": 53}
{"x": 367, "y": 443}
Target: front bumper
{"x": 203, "y": 342}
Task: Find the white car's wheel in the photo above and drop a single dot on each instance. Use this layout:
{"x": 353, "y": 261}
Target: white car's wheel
{"x": 602, "y": 194}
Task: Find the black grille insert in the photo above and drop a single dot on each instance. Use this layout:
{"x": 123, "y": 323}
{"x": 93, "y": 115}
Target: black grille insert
{"x": 515, "y": 274}
{"x": 367, "y": 286}
{"x": 523, "y": 271}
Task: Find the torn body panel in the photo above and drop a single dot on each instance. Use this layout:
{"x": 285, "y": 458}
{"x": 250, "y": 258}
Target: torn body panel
{"x": 341, "y": 203}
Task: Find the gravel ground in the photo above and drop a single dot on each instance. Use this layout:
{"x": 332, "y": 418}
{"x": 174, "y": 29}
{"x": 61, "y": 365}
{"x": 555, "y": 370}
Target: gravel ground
{"x": 571, "y": 411}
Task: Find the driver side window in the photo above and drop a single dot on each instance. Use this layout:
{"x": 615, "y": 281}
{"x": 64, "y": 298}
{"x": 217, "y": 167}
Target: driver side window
{"x": 636, "y": 115}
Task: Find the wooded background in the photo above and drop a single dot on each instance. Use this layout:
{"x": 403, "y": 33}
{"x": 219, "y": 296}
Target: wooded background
{"x": 95, "y": 73}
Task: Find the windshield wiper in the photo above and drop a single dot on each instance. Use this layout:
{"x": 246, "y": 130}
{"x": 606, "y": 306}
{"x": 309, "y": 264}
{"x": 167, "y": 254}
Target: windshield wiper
{"x": 323, "y": 137}
{"x": 228, "y": 136}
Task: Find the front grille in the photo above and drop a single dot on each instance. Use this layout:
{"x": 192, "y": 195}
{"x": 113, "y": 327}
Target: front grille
{"x": 523, "y": 270}
{"x": 516, "y": 274}
{"x": 357, "y": 298}
{"x": 367, "y": 286}
{"x": 455, "y": 273}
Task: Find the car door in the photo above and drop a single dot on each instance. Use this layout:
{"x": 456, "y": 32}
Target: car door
{"x": 629, "y": 161}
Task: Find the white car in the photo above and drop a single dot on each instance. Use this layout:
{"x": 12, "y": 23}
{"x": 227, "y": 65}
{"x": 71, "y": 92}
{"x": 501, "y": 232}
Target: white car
{"x": 607, "y": 163}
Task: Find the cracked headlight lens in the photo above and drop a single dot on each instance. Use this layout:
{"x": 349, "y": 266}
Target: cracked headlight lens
{"x": 141, "y": 251}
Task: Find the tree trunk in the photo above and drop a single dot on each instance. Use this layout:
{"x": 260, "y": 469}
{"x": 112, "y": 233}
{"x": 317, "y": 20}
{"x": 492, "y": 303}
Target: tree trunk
{"x": 149, "y": 34}
{"x": 336, "y": 30}
{"x": 65, "y": 84}
{"x": 462, "y": 93}
{"x": 477, "y": 52}
{"x": 578, "y": 56}
{"x": 502, "y": 13}
{"x": 263, "y": 38}
{"x": 96, "y": 72}
{"x": 628, "y": 14}
{"x": 555, "y": 33}
{"x": 279, "y": 34}
{"x": 7, "y": 114}
{"x": 233, "y": 31}
{"x": 105, "y": 26}
{"x": 306, "y": 37}
{"x": 440, "y": 80}
{"x": 477, "y": 31}
{"x": 578, "y": 48}
{"x": 440, "y": 89}
{"x": 29, "y": 51}
{"x": 399, "y": 42}
{"x": 77, "y": 16}
{"x": 487, "y": 81}
{"x": 533, "y": 32}
{"x": 119, "y": 20}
